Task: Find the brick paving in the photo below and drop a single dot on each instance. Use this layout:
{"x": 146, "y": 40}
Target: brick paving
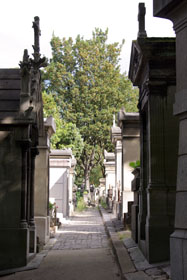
{"x": 83, "y": 231}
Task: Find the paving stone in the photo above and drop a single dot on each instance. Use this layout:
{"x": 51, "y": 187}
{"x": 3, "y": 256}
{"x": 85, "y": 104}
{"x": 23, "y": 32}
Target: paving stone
{"x": 163, "y": 277}
{"x": 84, "y": 230}
{"x": 167, "y": 269}
{"x": 129, "y": 243}
{"x": 138, "y": 258}
{"x": 140, "y": 275}
{"x": 154, "y": 271}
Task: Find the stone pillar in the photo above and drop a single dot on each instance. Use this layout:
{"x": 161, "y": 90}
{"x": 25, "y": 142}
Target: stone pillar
{"x": 25, "y": 146}
{"x": 116, "y": 140}
{"x": 109, "y": 163}
{"x": 129, "y": 124}
{"x": 153, "y": 72}
{"x": 135, "y": 185}
{"x": 177, "y": 12}
{"x": 60, "y": 164}
{"x": 41, "y": 210}
{"x": 32, "y": 227}
{"x": 71, "y": 183}
{"x": 102, "y": 184}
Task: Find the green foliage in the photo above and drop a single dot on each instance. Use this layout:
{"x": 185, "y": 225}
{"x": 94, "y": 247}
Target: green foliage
{"x": 78, "y": 195}
{"x": 81, "y": 205}
{"x": 103, "y": 204}
{"x": 95, "y": 175}
{"x": 84, "y": 79}
{"x": 67, "y": 134}
{"x": 51, "y": 205}
{"x": 130, "y": 94}
{"x": 135, "y": 164}
{"x": 85, "y": 192}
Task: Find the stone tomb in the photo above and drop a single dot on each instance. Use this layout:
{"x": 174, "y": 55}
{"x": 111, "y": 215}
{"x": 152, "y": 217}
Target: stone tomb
{"x": 21, "y": 123}
{"x": 152, "y": 69}
{"x": 71, "y": 186}
{"x": 177, "y": 12}
{"x": 130, "y": 129}
{"x": 116, "y": 140}
{"x": 109, "y": 163}
{"x": 102, "y": 194}
{"x": 62, "y": 166}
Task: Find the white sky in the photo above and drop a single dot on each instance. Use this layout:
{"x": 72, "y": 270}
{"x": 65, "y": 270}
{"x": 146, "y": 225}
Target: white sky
{"x": 68, "y": 18}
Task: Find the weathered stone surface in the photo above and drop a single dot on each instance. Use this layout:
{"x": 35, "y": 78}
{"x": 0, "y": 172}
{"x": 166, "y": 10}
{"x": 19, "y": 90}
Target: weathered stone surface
{"x": 129, "y": 243}
{"x": 176, "y": 11}
{"x": 41, "y": 210}
{"x": 21, "y": 124}
{"x": 137, "y": 276}
{"x": 62, "y": 166}
{"x": 116, "y": 138}
{"x": 154, "y": 272}
{"x": 109, "y": 163}
{"x": 129, "y": 124}
{"x": 154, "y": 72}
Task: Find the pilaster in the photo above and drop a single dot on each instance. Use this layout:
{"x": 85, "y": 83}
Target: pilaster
{"x": 41, "y": 210}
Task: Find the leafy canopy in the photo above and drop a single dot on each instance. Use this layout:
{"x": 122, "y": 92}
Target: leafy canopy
{"x": 85, "y": 81}
{"x": 67, "y": 134}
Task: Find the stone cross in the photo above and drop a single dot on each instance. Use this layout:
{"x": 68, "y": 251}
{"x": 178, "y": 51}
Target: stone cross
{"x": 37, "y": 33}
{"x": 141, "y": 20}
{"x": 38, "y": 61}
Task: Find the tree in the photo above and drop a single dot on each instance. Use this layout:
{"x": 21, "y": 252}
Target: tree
{"x": 84, "y": 77}
{"x": 95, "y": 175}
{"x": 67, "y": 134}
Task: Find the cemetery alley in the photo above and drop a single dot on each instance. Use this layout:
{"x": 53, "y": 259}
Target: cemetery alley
{"x": 90, "y": 246}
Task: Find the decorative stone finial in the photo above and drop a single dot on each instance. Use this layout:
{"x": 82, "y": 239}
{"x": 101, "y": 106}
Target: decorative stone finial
{"x": 141, "y": 20}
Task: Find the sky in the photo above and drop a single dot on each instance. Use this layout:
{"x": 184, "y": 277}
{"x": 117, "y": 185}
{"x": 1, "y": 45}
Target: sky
{"x": 68, "y": 18}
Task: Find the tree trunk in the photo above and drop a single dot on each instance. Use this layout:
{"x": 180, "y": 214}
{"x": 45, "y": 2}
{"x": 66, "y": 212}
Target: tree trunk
{"x": 86, "y": 179}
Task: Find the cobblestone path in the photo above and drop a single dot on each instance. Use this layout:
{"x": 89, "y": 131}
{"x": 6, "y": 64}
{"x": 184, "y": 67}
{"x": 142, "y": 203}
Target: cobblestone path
{"x": 82, "y": 252}
{"x": 84, "y": 231}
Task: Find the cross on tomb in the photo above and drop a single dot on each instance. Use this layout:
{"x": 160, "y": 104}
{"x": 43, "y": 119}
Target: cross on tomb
{"x": 37, "y": 33}
{"x": 38, "y": 61}
{"x": 141, "y": 20}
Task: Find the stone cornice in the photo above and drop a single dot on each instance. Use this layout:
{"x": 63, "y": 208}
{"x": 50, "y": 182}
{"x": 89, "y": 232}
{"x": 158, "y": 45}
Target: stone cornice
{"x": 66, "y": 153}
{"x": 154, "y": 58}
{"x": 50, "y": 125}
{"x": 127, "y": 118}
{"x": 109, "y": 157}
{"x": 163, "y": 8}
{"x": 115, "y": 134}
